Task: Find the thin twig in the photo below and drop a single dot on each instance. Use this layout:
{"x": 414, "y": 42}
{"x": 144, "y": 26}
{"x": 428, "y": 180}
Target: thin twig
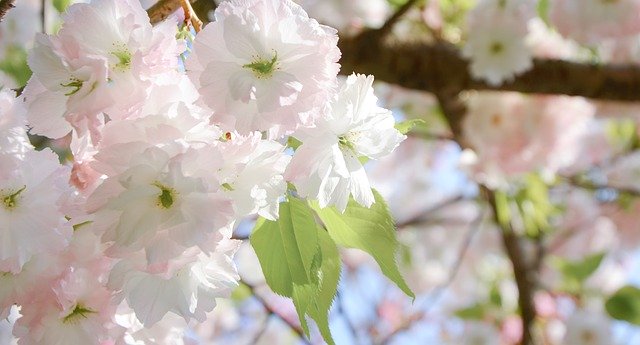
{"x": 5, "y": 6}
{"x": 272, "y": 312}
{"x": 388, "y": 25}
{"x": 427, "y": 214}
{"x": 43, "y": 15}
{"x": 261, "y": 331}
{"x": 525, "y": 276}
{"x": 342, "y": 311}
{"x": 438, "y": 291}
{"x": 523, "y": 272}
{"x": 190, "y": 16}
{"x": 576, "y": 182}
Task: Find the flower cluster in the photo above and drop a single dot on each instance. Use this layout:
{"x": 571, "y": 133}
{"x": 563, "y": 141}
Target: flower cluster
{"x": 167, "y": 158}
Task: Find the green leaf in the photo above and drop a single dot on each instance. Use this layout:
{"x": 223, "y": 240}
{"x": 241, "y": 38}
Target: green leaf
{"x": 293, "y": 143}
{"x": 299, "y": 260}
{"x": 241, "y": 293}
{"x": 503, "y": 212}
{"x": 579, "y": 271}
{"x": 625, "y": 305}
{"x": 543, "y": 10}
{"x": 330, "y": 275}
{"x": 61, "y": 5}
{"x": 369, "y": 229}
{"x": 474, "y": 312}
{"x": 286, "y": 247}
{"x": 494, "y": 296}
{"x": 15, "y": 64}
{"x": 405, "y": 126}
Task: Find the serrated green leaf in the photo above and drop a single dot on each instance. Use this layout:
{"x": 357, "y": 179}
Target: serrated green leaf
{"x": 369, "y": 229}
{"x": 286, "y": 247}
{"x": 299, "y": 260}
{"x": 474, "y": 312}
{"x": 405, "y": 126}
{"x": 625, "y": 305}
{"x": 330, "y": 275}
{"x": 303, "y": 295}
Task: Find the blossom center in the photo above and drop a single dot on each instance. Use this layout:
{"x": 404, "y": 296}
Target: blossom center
{"x": 496, "y": 48}
{"x": 263, "y": 68}
{"x": 348, "y": 140}
{"x": 166, "y": 197}
{"x": 124, "y": 58}
{"x": 79, "y": 312}
{"x": 10, "y": 201}
{"x": 74, "y": 84}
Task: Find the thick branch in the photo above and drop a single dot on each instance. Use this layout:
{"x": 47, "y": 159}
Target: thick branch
{"x": 438, "y": 67}
{"x": 5, "y": 6}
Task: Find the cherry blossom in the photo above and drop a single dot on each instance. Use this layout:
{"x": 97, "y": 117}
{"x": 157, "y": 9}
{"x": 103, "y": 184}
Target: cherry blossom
{"x": 252, "y": 66}
{"x": 326, "y": 166}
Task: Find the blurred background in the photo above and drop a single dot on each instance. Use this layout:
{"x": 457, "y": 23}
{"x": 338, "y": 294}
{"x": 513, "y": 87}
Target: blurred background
{"x": 543, "y": 184}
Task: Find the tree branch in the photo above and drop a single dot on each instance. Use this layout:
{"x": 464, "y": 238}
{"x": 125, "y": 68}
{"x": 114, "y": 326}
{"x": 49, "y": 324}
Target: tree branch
{"x": 439, "y": 67}
{"x": 5, "y": 6}
{"x": 388, "y": 25}
{"x": 202, "y": 9}
{"x": 523, "y": 272}
{"x": 198, "y": 11}
{"x": 270, "y": 311}
{"x": 190, "y": 16}
{"x": 162, "y": 9}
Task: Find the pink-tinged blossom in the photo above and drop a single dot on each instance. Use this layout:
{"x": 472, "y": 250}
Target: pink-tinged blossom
{"x": 154, "y": 195}
{"x": 513, "y": 134}
{"x": 171, "y": 329}
{"x": 264, "y": 65}
{"x": 497, "y": 52}
{"x": 496, "y": 44}
{"x": 186, "y": 286}
{"x": 517, "y": 12}
{"x": 252, "y": 174}
{"x": 591, "y": 21}
{"x": 626, "y": 223}
{"x": 174, "y": 128}
{"x": 13, "y": 125}
{"x": 326, "y": 166}
{"x": 15, "y": 288}
{"x": 30, "y": 218}
{"x": 477, "y": 332}
{"x": 349, "y": 16}
{"x": 588, "y": 327}
{"x": 547, "y": 43}
{"x": 77, "y": 309}
{"x": 105, "y": 52}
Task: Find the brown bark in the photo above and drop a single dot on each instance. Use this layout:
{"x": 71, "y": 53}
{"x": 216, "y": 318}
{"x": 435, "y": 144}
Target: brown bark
{"x": 438, "y": 67}
{"x": 5, "y": 6}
